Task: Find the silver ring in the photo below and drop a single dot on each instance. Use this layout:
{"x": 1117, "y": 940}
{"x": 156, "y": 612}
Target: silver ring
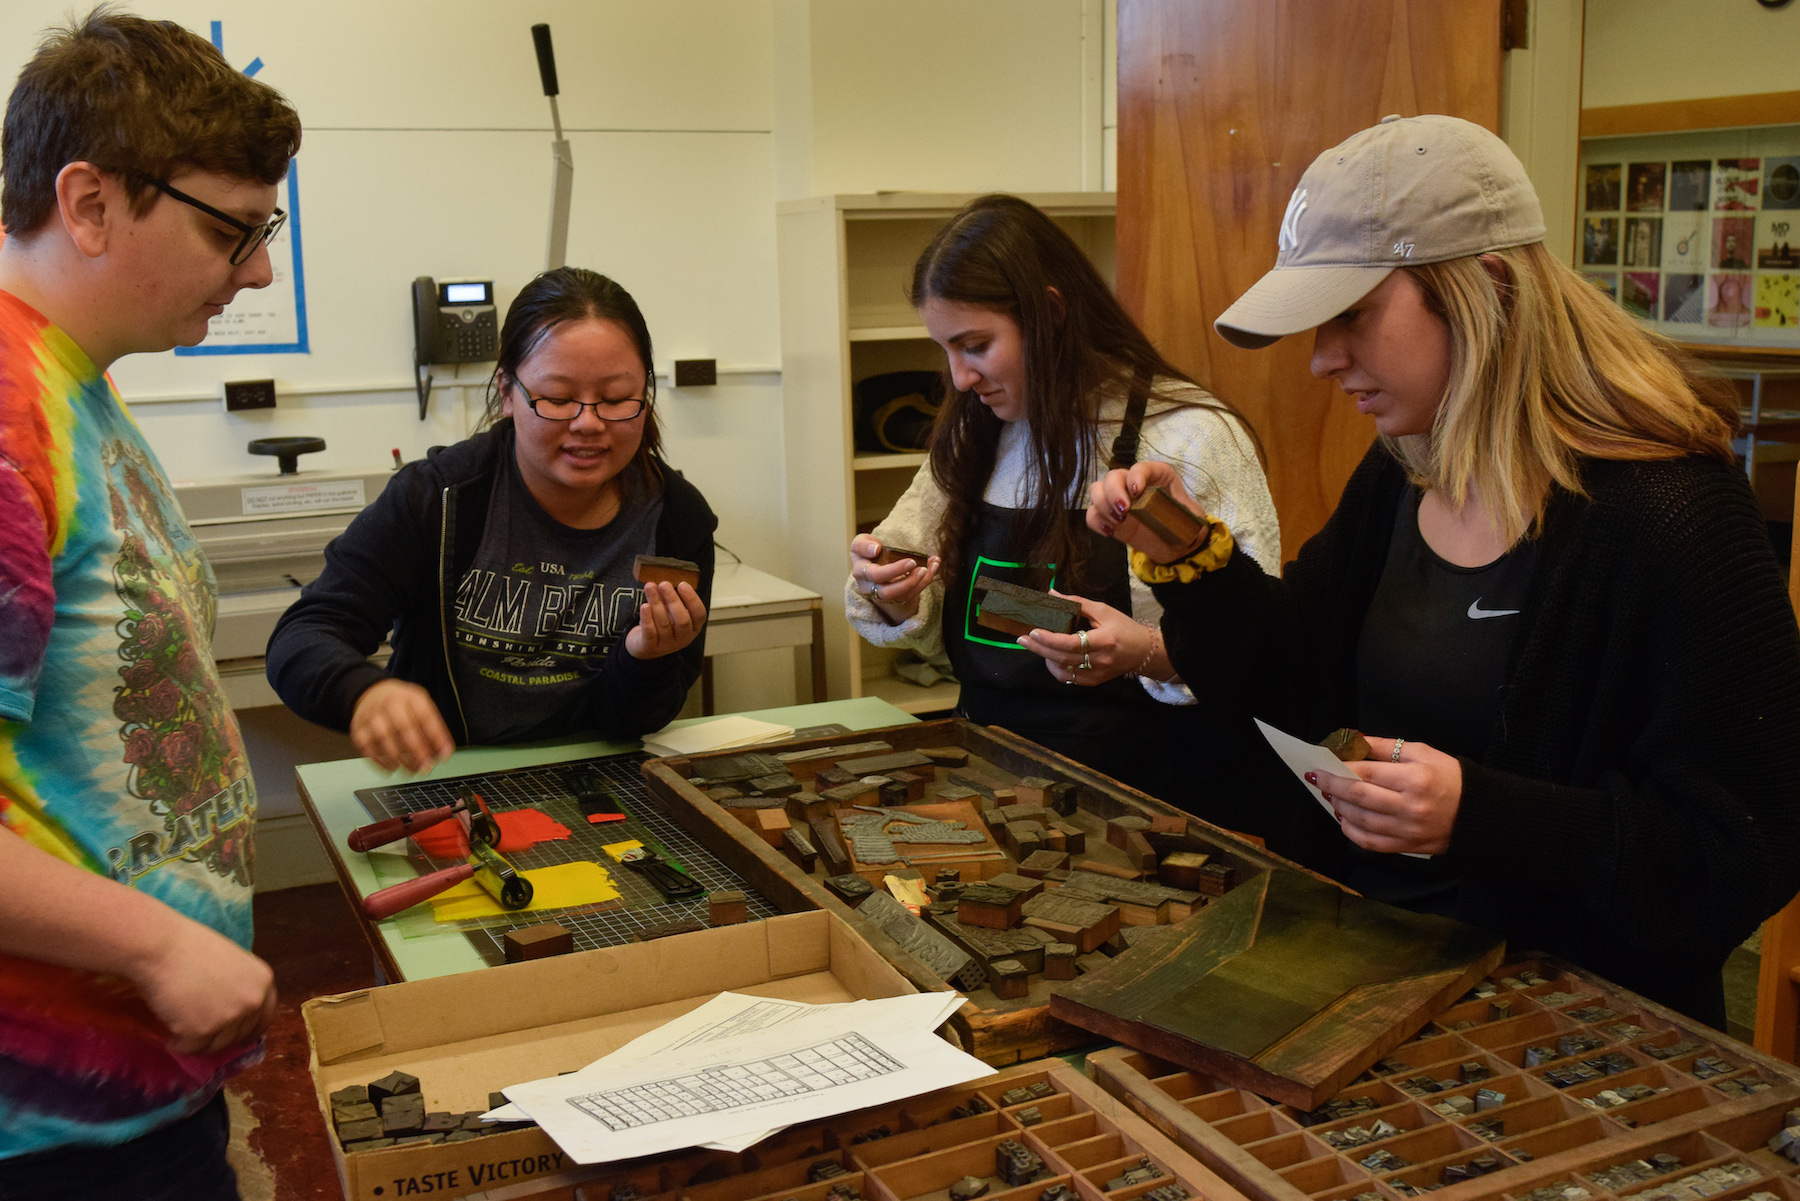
{"x": 1395, "y": 757}
{"x": 874, "y": 589}
{"x": 1082, "y": 634}
{"x": 1086, "y": 664}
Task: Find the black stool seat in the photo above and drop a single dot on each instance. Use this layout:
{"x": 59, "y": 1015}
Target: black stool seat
{"x": 287, "y": 451}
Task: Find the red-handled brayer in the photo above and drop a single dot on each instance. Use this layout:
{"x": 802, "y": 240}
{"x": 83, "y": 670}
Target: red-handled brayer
{"x": 487, "y": 866}
{"x": 392, "y": 829}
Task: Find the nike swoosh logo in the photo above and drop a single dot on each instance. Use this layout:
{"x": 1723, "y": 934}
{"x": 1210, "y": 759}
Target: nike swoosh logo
{"x": 1477, "y": 612}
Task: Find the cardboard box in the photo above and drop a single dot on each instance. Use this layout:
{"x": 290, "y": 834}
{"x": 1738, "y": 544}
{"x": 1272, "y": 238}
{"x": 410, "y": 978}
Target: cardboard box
{"x": 467, "y": 1035}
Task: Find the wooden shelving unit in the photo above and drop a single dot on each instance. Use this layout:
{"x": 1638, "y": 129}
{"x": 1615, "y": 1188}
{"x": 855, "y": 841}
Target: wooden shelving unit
{"x": 845, "y": 262}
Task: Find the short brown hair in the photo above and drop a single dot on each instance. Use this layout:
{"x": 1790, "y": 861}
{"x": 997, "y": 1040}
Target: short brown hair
{"x": 141, "y": 99}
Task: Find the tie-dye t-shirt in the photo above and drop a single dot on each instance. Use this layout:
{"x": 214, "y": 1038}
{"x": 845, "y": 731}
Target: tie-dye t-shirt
{"x": 118, "y": 751}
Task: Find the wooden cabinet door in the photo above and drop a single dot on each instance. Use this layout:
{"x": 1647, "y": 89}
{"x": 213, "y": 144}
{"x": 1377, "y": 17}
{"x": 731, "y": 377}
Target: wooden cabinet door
{"x": 1222, "y": 105}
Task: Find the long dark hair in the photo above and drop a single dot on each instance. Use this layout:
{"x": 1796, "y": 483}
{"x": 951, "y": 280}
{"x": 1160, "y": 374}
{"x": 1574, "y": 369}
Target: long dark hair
{"x": 577, "y": 294}
{"x": 1003, "y": 254}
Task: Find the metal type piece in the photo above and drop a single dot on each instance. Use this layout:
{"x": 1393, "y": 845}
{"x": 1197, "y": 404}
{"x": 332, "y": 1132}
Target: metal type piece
{"x": 1015, "y": 1165}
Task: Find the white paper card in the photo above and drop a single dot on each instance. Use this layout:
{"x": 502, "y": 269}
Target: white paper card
{"x": 1302, "y": 757}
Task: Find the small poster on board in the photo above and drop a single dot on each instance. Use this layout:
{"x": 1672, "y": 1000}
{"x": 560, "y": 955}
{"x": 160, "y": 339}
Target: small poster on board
{"x": 1728, "y": 300}
{"x": 1643, "y": 242}
{"x": 1606, "y": 281}
{"x": 269, "y": 320}
{"x": 1600, "y": 242}
{"x": 1689, "y": 186}
{"x": 1637, "y": 293}
{"x": 1603, "y": 187}
{"x": 1781, "y": 183}
{"x": 1684, "y": 242}
{"x": 1645, "y": 193}
{"x": 1683, "y": 299}
{"x": 1731, "y": 242}
{"x": 1778, "y": 301}
{"x": 1737, "y": 182}
{"x": 1777, "y": 236}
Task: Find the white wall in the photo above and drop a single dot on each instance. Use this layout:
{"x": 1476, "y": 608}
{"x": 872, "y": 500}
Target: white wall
{"x": 1643, "y": 51}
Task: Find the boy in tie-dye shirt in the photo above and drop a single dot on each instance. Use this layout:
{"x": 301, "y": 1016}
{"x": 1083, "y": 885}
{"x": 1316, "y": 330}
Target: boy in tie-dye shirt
{"x": 139, "y": 174}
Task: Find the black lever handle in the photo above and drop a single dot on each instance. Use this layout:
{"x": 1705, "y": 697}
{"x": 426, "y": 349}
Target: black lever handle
{"x": 546, "y": 54}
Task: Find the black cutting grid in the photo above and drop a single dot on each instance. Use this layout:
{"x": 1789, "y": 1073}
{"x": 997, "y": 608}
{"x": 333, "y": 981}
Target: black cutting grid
{"x": 547, "y": 789}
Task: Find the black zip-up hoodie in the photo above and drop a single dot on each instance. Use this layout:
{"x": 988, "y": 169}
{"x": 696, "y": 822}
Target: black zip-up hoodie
{"x": 396, "y": 569}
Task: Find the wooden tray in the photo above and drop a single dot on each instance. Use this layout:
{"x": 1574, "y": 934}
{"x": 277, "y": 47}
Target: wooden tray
{"x": 998, "y": 1031}
{"x": 1550, "y": 1133}
{"x": 1084, "y": 1137}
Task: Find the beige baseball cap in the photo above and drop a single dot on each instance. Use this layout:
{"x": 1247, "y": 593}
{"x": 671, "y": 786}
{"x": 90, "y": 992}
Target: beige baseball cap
{"x": 1410, "y": 190}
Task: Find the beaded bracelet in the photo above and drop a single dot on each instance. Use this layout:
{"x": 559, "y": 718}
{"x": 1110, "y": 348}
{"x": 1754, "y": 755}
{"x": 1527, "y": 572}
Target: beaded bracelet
{"x": 1156, "y": 643}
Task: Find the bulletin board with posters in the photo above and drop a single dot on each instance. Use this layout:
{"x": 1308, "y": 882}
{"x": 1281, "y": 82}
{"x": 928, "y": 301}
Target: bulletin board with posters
{"x": 1697, "y": 233}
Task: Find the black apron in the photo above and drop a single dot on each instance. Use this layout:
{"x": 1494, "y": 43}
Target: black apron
{"x": 1114, "y": 727}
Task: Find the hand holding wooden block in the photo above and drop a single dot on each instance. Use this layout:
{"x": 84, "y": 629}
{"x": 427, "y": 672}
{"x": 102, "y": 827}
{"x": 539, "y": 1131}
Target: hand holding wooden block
{"x": 1167, "y": 518}
{"x": 651, "y": 569}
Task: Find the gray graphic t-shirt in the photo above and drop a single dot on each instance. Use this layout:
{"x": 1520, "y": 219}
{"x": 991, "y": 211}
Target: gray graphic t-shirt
{"x": 540, "y": 609}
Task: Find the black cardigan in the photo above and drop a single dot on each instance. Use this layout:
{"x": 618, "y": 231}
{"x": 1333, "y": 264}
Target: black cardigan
{"x": 1637, "y": 809}
{"x": 397, "y": 567}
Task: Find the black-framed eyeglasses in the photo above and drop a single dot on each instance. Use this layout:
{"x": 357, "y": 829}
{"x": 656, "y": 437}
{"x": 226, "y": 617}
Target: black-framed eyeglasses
{"x": 552, "y": 409}
{"x": 253, "y": 235}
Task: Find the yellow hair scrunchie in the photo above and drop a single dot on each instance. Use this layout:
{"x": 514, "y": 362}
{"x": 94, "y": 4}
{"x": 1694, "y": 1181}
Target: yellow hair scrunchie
{"x": 1213, "y": 553}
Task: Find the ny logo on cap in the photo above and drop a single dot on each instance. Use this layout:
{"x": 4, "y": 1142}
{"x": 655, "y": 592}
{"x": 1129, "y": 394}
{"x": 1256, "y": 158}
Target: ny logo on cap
{"x": 1290, "y": 224}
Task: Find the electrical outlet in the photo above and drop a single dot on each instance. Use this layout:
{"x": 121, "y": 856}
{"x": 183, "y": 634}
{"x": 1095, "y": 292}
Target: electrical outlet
{"x": 696, "y": 373}
{"x": 249, "y": 394}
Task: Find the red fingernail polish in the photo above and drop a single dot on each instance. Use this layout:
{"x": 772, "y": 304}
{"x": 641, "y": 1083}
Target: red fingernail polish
{"x": 1312, "y": 778}
{"x": 1119, "y": 509}
{"x": 1106, "y": 530}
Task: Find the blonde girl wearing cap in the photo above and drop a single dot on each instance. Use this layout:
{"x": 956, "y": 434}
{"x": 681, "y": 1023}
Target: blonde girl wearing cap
{"x": 1049, "y": 379}
{"x": 1547, "y": 594}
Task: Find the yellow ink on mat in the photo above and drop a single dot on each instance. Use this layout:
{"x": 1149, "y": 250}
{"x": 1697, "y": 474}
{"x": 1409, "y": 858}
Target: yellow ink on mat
{"x": 616, "y": 849}
{"x": 561, "y": 887}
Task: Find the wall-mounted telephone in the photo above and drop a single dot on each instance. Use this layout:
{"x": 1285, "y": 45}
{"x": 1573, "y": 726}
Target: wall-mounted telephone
{"x": 454, "y": 321}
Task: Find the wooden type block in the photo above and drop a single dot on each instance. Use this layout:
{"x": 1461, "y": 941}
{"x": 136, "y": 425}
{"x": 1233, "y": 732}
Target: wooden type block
{"x": 1058, "y": 876}
{"x": 986, "y": 905}
{"x": 667, "y": 930}
{"x": 1361, "y": 977}
{"x": 1103, "y": 868}
{"x": 773, "y": 825}
{"x": 894, "y": 554}
{"x": 732, "y": 769}
{"x": 1009, "y": 979}
{"x": 799, "y": 850}
{"x": 1169, "y": 824}
{"x": 723, "y": 793}
{"x": 1041, "y": 862}
{"x": 1087, "y": 924}
{"x": 881, "y": 765}
{"x": 804, "y": 807}
{"x": 849, "y": 888}
{"x": 537, "y": 942}
{"x": 1181, "y": 869}
{"x": 830, "y": 845}
{"x": 950, "y": 962}
{"x": 990, "y": 946}
{"x": 1023, "y": 839}
{"x": 893, "y": 793}
{"x": 342, "y": 1114}
{"x": 856, "y": 792}
{"x": 1055, "y": 840}
{"x": 360, "y": 1130}
{"x": 1215, "y": 879}
{"x": 351, "y": 1094}
{"x": 979, "y": 781}
{"x": 782, "y": 785}
{"x": 1115, "y": 944}
{"x": 1025, "y": 886}
{"x": 1022, "y": 812}
{"x": 809, "y": 761}
{"x": 1033, "y": 790}
{"x": 1167, "y": 518}
{"x": 402, "y": 1114}
{"x": 945, "y": 756}
{"x": 1119, "y": 827}
{"x": 1059, "y": 960}
{"x": 1074, "y": 837}
{"x": 1348, "y": 745}
{"x": 655, "y": 569}
{"x": 727, "y": 907}
{"x": 394, "y": 1084}
{"x": 1015, "y": 609}
{"x": 1140, "y": 853}
{"x": 1062, "y": 798}
{"x": 951, "y": 792}
{"x": 827, "y": 778}
{"x": 442, "y": 1122}
{"x": 915, "y": 782}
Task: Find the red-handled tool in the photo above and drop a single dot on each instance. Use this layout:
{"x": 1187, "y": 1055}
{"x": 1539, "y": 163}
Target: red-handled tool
{"x": 393, "y": 899}
{"x": 392, "y": 829}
